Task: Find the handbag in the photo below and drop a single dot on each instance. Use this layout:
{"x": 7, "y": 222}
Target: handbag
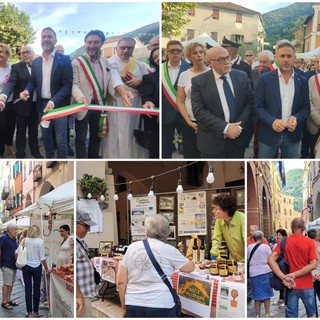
{"x": 143, "y": 138}
{"x": 96, "y": 274}
{"x": 275, "y": 282}
{"x": 22, "y": 257}
{"x": 251, "y": 254}
{"x": 164, "y": 278}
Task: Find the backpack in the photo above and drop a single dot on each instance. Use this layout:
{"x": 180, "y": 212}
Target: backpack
{"x": 275, "y": 282}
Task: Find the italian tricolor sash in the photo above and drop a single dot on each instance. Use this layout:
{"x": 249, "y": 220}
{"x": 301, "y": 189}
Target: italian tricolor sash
{"x": 92, "y": 80}
{"x": 96, "y": 89}
{"x": 169, "y": 90}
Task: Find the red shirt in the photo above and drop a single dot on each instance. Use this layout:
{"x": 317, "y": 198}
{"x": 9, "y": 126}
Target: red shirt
{"x": 299, "y": 251}
{"x": 251, "y": 241}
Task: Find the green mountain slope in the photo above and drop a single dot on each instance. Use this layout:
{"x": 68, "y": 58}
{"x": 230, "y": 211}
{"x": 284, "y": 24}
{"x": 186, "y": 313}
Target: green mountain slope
{"x": 294, "y": 187}
{"x": 281, "y": 23}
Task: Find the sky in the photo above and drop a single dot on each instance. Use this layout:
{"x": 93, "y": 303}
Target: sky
{"x": 263, "y": 6}
{"x": 293, "y": 164}
{"x": 71, "y": 20}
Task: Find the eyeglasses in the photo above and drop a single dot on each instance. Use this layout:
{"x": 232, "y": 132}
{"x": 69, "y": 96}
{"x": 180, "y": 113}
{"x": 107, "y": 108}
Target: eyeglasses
{"x": 222, "y": 60}
{"x": 25, "y": 52}
{"x": 83, "y": 224}
{"x": 172, "y": 51}
{"x": 126, "y": 47}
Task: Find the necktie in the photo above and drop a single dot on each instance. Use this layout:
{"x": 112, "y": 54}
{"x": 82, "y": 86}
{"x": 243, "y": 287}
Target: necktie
{"x": 230, "y": 98}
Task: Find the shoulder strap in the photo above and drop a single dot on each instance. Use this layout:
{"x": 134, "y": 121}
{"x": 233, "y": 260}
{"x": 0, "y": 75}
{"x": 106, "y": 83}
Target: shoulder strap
{"x": 253, "y": 251}
{"x": 282, "y": 245}
{"x": 316, "y": 78}
{"x": 162, "y": 275}
{"x": 83, "y": 247}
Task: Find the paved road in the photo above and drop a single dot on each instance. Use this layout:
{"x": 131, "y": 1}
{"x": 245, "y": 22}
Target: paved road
{"x": 277, "y": 313}
{"x": 18, "y": 295}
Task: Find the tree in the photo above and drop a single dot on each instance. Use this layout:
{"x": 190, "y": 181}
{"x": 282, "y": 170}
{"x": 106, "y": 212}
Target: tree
{"x": 173, "y": 17}
{"x": 15, "y": 27}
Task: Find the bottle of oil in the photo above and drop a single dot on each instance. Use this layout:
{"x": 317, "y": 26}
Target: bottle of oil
{"x": 195, "y": 250}
{"x": 202, "y": 250}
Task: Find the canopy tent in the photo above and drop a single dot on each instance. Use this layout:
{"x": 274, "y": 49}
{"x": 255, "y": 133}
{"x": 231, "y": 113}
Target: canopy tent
{"x": 60, "y": 200}
{"x": 203, "y": 39}
{"x": 309, "y": 55}
{"x": 21, "y": 222}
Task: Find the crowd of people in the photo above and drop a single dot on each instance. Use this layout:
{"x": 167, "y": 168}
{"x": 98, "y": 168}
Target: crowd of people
{"x": 36, "y": 85}
{"x": 228, "y": 107}
{"x": 301, "y": 250}
{"x": 36, "y": 264}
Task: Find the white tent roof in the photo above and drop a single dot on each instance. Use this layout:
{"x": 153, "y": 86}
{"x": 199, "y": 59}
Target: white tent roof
{"x": 203, "y": 39}
{"x": 60, "y": 199}
{"x": 309, "y": 55}
{"x": 21, "y": 222}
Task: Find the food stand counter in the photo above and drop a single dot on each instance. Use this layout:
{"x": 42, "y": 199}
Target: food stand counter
{"x": 62, "y": 292}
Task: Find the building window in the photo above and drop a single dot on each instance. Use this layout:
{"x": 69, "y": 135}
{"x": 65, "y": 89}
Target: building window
{"x": 215, "y": 14}
{"x": 214, "y": 36}
{"x": 318, "y": 28}
{"x": 192, "y": 12}
{"x": 190, "y": 34}
{"x": 239, "y": 17}
{"x": 237, "y": 38}
{"x": 290, "y": 213}
{"x": 285, "y": 212}
{"x": 286, "y": 224}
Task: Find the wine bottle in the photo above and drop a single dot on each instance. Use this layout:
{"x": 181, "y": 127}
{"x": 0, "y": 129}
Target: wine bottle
{"x": 195, "y": 251}
{"x": 202, "y": 250}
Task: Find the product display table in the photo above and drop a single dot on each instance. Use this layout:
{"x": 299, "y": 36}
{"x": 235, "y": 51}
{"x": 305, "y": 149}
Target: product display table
{"x": 203, "y": 295}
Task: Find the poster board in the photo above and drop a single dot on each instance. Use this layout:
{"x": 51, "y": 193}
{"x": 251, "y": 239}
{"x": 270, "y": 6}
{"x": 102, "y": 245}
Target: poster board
{"x": 192, "y": 213}
{"x": 140, "y": 209}
{"x": 195, "y": 293}
{"x": 92, "y": 207}
{"x": 231, "y": 299}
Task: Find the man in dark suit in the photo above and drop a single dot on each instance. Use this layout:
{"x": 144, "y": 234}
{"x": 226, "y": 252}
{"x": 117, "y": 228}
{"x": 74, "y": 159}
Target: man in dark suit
{"x": 282, "y": 107}
{"x": 26, "y": 111}
{"x": 222, "y": 124}
{"x": 51, "y": 74}
{"x": 172, "y": 69}
{"x": 236, "y": 61}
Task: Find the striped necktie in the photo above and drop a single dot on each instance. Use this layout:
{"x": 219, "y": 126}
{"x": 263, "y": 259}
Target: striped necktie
{"x": 230, "y": 98}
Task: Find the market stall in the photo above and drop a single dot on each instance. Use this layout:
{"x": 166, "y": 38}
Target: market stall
{"x": 62, "y": 292}
{"x": 203, "y": 295}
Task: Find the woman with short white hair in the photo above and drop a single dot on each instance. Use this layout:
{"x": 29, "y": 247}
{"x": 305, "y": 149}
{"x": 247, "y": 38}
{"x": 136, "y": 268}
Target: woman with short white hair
{"x": 142, "y": 291}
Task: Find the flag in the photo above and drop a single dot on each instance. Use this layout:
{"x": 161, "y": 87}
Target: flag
{"x": 282, "y": 173}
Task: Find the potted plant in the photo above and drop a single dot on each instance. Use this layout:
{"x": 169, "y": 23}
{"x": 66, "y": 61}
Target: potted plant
{"x": 93, "y": 185}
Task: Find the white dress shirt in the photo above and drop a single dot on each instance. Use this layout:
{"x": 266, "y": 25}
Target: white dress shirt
{"x": 286, "y": 94}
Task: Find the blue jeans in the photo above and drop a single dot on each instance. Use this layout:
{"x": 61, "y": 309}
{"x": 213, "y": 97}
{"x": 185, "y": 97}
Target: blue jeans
{"x": 289, "y": 150}
{"x": 32, "y": 274}
{"x": 307, "y": 297}
{"x": 148, "y": 312}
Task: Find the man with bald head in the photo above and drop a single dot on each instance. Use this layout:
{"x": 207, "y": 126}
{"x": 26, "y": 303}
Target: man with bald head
{"x": 222, "y": 100}
{"x": 300, "y": 252}
{"x": 26, "y": 111}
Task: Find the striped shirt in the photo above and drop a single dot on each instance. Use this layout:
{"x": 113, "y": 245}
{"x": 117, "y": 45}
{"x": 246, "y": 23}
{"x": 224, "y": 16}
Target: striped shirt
{"x": 85, "y": 273}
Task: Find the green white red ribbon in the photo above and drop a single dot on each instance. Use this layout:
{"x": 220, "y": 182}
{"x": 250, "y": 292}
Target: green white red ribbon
{"x": 168, "y": 88}
{"x": 74, "y": 108}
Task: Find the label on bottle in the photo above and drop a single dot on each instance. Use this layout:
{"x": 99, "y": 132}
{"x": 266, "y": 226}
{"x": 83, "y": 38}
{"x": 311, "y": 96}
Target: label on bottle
{"x": 201, "y": 255}
{"x": 195, "y": 255}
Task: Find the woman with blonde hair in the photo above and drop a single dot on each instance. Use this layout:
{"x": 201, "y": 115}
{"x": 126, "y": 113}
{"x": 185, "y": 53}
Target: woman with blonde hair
{"x": 7, "y": 116}
{"x": 195, "y": 53}
{"x": 32, "y": 271}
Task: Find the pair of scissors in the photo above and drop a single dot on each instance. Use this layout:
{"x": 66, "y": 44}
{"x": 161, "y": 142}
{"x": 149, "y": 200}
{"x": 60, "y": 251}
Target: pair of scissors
{"x": 17, "y": 100}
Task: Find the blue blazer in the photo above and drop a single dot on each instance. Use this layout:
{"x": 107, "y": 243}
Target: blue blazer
{"x": 169, "y": 114}
{"x": 267, "y": 107}
{"x": 60, "y": 82}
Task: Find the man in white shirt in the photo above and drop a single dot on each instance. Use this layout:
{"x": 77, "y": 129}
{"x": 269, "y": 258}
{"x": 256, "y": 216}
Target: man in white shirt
{"x": 282, "y": 107}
